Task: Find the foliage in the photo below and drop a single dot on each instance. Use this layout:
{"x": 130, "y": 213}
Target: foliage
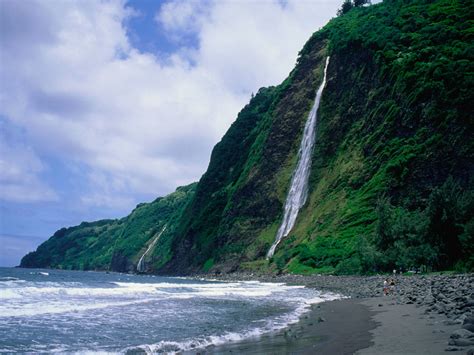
{"x": 112, "y": 244}
{"x": 358, "y": 3}
{"x": 393, "y": 121}
{"x": 436, "y": 238}
{"x": 346, "y": 6}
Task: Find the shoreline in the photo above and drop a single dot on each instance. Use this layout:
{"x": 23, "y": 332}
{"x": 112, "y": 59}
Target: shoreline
{"x": 320, "y": 331}
{"x": 427, "y": 314}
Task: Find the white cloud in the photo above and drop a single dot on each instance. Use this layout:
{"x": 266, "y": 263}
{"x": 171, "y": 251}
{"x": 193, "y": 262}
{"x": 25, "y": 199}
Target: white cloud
{"x": 19, "y": 170}
{"x": 85, "y": 96}
{"x": 182, "y": 17}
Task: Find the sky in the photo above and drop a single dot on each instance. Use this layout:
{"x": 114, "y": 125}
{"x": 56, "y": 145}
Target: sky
{"x": 106, "y": 104}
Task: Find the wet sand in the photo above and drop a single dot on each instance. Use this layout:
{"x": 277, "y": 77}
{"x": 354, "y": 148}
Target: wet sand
{"x": 335, "y": 327}
{"x": 405, "y": 329}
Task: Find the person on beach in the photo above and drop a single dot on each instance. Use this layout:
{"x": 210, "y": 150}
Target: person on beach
{"x": 385, "y": 287}
{"x": 392, "y": 286}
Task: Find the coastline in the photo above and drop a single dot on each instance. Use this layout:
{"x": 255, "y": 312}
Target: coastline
{"x": 427, "y": 314}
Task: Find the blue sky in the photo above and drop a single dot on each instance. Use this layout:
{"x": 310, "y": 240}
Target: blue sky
{"x": 105, "y": 104}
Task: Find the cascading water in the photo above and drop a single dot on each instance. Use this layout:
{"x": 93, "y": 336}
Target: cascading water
{"x": 141, "y": 262}
{"x": 299, "y": 182}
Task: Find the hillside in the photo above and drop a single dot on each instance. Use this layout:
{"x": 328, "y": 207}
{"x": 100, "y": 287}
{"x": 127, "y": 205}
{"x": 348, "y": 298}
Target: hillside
{"x": 394, "y": 132}
{"x": 391, "y": 183}
{"x": 114, "y": 244}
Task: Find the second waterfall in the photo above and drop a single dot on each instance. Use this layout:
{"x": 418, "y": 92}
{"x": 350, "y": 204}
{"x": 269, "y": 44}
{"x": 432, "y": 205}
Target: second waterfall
{"x": 299, "y": 182}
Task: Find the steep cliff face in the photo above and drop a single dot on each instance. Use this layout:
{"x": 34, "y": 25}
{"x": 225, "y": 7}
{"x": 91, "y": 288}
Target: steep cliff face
{"x": 394, "y": 125}
{"x": 240, "y": 196}
{"x": 391, "y": 182}
{"x": 395, "y": 128}
{"x": 114, "y": 244}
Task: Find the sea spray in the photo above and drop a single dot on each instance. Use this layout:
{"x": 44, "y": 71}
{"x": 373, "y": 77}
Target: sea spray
{"x": 299, "y": 182}
{"x": 141, "y": 262}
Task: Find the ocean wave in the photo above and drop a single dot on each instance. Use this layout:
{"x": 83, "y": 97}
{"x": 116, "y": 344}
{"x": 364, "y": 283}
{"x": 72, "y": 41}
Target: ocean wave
{"x": 7, "y": 278}
{"x": 33, "y": 309}
{"x": 39, "y": 273}
{"x": 273, "y": 325}
{"x": 244, "y": 288}
{"x": 30, "y": 299}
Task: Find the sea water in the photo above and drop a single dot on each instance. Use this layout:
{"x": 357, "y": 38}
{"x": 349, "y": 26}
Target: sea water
{"x": 76, "y": 311}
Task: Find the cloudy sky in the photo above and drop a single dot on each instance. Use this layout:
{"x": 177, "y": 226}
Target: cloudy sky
{"x": 105, "y": 104}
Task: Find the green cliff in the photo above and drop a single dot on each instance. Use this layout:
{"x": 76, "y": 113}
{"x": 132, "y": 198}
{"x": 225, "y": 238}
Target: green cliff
{"x": 391, "y": 184}
{"x": 114, "y": 244}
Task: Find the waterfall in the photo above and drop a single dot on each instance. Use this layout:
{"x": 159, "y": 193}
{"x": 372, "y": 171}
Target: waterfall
{"x": 299, "y": 182}
{"x": 141, "y": 262}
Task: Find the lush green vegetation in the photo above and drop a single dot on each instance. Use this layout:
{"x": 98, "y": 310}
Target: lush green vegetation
{"x": 394, "y": 124}
{"x": 391, "y": 183}
{"x": 114, "y": 244}
{"x": 439, "y": 237}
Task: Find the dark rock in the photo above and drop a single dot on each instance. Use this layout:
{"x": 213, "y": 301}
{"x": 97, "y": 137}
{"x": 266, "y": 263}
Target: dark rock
{"x": 469, "y": 303}
{"x": 461, "y": 342}
{"x": 452, "y": 348}
{"x": 469, "y": 320}
{"x": 462, "y": 333}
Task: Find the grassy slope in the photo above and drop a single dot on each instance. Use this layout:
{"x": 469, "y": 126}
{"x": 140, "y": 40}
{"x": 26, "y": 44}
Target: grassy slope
{"x": 113, "y": 244}
{"x": 394, "y": 121}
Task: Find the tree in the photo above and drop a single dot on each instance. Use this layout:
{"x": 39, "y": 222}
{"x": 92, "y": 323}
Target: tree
{"x": 449, "y": 208}
{"x": 345, "y": 8}
{"x": 358, "y": 3}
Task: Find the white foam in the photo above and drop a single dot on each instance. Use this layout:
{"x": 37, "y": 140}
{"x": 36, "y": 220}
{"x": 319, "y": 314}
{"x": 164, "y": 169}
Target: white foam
{"x": 54, "y": 297}
{"x": 59, "y": 307}
{"x": 6, "y": 293}
{"x": 245, "y": 288}
{"x": 272, "y": 325}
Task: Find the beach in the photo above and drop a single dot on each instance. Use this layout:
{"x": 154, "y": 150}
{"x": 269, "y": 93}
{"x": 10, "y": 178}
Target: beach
{"x": 424, "y": 315}
{"x": 44, "y": 311}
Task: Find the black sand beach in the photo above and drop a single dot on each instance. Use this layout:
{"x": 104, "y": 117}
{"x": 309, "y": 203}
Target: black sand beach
{"x": 424, "y": 315}
{"x": 336, "y": 327}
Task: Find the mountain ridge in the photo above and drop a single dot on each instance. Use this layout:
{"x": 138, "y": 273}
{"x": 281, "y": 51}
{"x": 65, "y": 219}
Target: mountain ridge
{"x": 391, "y": 183}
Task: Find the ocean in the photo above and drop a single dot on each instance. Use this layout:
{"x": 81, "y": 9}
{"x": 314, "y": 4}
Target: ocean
{"x": 44, "y": 311}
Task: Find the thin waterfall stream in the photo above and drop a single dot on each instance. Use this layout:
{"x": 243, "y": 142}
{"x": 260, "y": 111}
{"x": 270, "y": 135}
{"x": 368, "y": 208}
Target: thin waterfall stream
{"x": 141, "y": 262}
{"x": 299, "y": 182}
